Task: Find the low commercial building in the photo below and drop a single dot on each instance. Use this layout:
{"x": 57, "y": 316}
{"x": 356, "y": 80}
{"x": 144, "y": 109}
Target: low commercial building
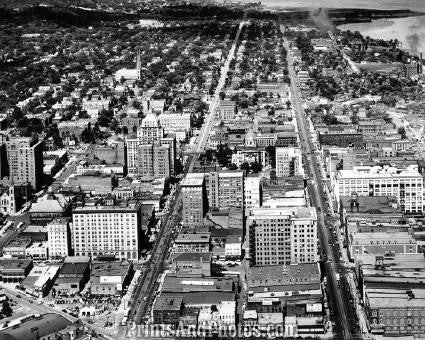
{"x": 192, "y": 242}
{"x": 381, "y": 243}
{"x": 192, "y": 263}
{"x": 233, "y": 247}
{"x": 45, "y": 327}
{"x": 17, "y": 247}
{"x": 110, "y": 277}
{"x": 14, "y": 270}
{"x": 396, "y": 312}
{"x": 374, "y": 209}
{"x": 292, "y": 290}
{"x": 40, "y": 280}
{"x": 48, "y": 207}
{"x": 167, "y": 310}
{"x": 93, "y": 184}
{"x": 340, "y": 135}
{"x": 73, "y": 275}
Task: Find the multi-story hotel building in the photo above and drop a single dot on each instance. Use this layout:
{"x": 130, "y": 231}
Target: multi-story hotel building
{"x": 108, "y": 230}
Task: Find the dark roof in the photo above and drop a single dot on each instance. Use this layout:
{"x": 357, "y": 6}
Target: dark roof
{"x": 36, "y": 328}
{"x": 73, "y": 268}
{"x": 206, "y": 257}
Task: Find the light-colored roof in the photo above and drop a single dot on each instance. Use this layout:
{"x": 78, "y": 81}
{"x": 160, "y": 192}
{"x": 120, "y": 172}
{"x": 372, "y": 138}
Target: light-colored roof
{"x": 50, "y": 203}
{"x": 379, "y": 172}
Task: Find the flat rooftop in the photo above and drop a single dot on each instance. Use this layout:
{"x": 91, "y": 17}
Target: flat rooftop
{"x": 192, "y": 181}
{"x": 193, "y": 238}
{"x": 174, "y": 283}
{"x": 279, "y": 275}
{"x": 271, "y": 213}
{"x": 206, "y": 257}
{"x": 371, "y": 205}
{"x": 395, "y": 298}
{"x": 390, "y": 237}
{"x": 168, "y": 303}
{"x": 379, "y": 172}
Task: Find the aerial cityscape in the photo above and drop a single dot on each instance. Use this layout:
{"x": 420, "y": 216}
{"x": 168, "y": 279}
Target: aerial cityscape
{"x": 212, "y": 169}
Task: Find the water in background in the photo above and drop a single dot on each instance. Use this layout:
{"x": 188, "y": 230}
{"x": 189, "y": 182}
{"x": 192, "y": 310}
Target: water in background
{"x": 415, "y": 5}
{"x": 410, "y": 31}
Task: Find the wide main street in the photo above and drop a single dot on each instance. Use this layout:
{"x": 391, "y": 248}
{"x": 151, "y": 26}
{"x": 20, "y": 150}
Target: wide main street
{"x": 339, "y": 306}
{"x": 145, "y": 290}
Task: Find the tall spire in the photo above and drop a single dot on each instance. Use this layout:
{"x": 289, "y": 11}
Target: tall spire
{"x": 138, "y": 64}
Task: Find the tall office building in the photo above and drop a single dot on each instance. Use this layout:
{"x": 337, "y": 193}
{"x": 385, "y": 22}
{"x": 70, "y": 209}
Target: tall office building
{"x": 25, "y": 159}
{"x": 108, "y": 230}
{"x": 252, "y": 191}
{"x": 282, "y": 236}
{"x": 405, "y": 184}
{"x": 288, "y": 162}
{"x": 226, "y": 189}
{"x": 59, "y": 237}
{"x": 148, "y": 160}
{"x": 194, "y": 199}
{"x": 170, "y": 140}
{"x": 150, "y": 130}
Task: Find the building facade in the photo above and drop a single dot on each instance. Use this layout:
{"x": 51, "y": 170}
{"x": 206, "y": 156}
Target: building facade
{"x": 405, "y": 184}
{"x": 194, "y": 200}
{"x": 108, "y": 230}
{"x": 25, "y": 158}
{"x": 226, "y": 189}
{"x": 288, "y": 162}
{"x": 59, "y": 237}
{"x": 282, "y": 236}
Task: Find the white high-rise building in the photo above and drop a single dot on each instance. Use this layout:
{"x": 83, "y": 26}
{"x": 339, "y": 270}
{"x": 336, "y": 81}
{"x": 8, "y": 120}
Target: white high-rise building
{"x": 252, "y": 189}
{"x": 150, "y": 130}
{"x": 59, "y": 237}
{"x": 108, "y": 230}
{"x": 405, "y": 184}
{"x": 285, "y": 236}
{"x": 288, "y": 162}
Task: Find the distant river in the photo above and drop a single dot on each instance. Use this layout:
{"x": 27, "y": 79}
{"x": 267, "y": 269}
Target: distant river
{"x": 410, "y": 31}
{"x": 414, "y": 5}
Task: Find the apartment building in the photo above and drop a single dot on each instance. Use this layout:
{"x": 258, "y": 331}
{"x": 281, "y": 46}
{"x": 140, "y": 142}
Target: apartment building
{"x": 287, "y": 235}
